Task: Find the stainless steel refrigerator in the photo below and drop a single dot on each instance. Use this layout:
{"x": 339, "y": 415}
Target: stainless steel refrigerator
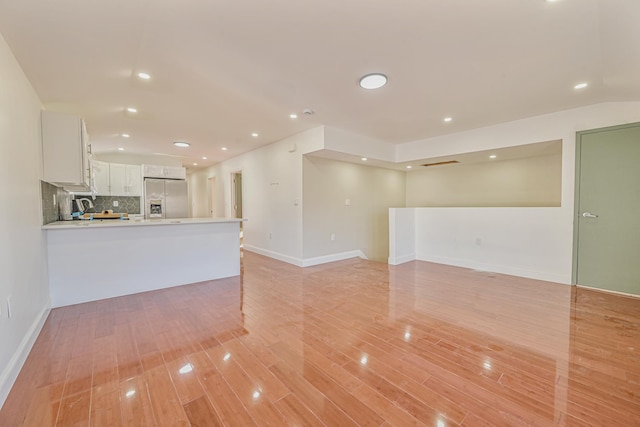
{"x": 165, "y": 198}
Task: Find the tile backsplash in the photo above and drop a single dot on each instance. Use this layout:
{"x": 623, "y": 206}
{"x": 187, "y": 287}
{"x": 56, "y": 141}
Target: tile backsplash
{"x": 126, "y": 204}
{"x": 52, "y": 197}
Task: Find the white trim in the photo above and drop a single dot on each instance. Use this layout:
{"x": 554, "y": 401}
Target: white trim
{"x": 308, "y": 262}
{"x": 609, "y": 291}
{"x": 402, "y": 259}
{"x": 14, "y": 366}
{"x": 502, "y": 269}
{"x": 275, "y": 255}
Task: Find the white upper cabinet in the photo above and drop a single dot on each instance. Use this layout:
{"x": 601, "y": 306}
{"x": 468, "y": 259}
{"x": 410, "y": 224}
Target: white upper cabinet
{"x": 168, "y": 172}
{"x": 126, "y": 180}
{"x": 101, "y": 177}
{"x": 134, "y": 180}
{"x": 115, "y": 179}
{"x": 65, "y": 151}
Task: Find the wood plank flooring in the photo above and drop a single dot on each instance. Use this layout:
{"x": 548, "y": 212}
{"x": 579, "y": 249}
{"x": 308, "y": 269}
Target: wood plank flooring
{"x": 344, "y": 344}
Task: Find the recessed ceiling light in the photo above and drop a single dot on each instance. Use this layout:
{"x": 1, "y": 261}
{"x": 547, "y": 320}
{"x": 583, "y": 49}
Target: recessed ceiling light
{"x": 293, "y": 116}
{"x": 132, "y": 110}
{"x": 448, "y": 119}
{"x": 120, "y": 149}
{"x": 144, "y": 76}
{"x": 255, "y": 134}
{"x": 493, "y": 156}
{"x": 204, "y": 158}
{"x": 364, "y": 159}
{"x": 195, "y": 164}
{"x": 125, "y": 135}
{"x": 581, "y": 85}
{"x": 224, "y": 148}
{"x": 373, "y": 81}
{"x": 181, "y": 144}
{"x": 409, "y": 167}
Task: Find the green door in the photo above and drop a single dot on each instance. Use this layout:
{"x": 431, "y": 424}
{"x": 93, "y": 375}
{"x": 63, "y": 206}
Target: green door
{"x": 608, "y": 209}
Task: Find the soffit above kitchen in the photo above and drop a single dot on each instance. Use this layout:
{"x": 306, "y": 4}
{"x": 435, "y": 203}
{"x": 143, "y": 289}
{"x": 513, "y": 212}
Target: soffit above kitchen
{"x": 222, "y": 70}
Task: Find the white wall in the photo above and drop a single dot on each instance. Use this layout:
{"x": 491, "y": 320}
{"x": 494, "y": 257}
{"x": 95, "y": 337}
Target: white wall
{"x": 350, "y": 143}
{"x": 138, "y": 159}
{"x": 531, "y": 181}
{"x": 199, "y": 194}
{"x": 22, "y": 242}
{"x": 362, "y": 227}
{"x": 272, "y": 194}
{"x": 449, "y": 235}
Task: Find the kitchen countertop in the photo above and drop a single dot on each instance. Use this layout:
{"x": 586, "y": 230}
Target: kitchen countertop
{"x": 98, "y": 223}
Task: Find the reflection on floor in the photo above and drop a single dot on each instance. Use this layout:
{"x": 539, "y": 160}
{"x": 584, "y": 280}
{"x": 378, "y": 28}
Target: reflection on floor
{"x": 348, "y": 343}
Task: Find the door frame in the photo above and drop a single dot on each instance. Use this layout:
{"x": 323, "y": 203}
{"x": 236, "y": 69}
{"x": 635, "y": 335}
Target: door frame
{"x": 233, "y": 200}
{"x": 576, "y": 195}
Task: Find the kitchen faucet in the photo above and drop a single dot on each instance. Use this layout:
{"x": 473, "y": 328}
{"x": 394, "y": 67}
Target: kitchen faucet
{"x": 80, "y": 204}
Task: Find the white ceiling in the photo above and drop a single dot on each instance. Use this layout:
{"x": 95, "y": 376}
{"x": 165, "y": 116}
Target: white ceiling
{"x": 223, "y": 69}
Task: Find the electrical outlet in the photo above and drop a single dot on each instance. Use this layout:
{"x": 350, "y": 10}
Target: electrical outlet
{"x": 115, "y": 203}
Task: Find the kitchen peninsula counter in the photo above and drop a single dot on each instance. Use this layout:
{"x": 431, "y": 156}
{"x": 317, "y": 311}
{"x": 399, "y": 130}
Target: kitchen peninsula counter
{"x": 91, "y": 260}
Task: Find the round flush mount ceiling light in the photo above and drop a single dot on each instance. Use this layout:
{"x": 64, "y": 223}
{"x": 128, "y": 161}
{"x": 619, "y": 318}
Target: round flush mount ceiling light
{"x": 181, "y": 144}
{"x": 373, "y": 81}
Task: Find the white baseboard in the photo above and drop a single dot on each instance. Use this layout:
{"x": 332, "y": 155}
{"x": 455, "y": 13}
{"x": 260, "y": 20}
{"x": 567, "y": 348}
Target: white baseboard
{"x": 275, "y": 255}
{"x": 402, "y": 259}
{"x": 308, "y": 262}
{"x": 502, "y": 269}
{"x": 14, "y": 366}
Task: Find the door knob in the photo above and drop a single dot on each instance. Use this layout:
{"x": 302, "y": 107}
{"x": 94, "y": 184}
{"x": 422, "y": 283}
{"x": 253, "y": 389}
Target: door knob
{"x": 589, "y": 215}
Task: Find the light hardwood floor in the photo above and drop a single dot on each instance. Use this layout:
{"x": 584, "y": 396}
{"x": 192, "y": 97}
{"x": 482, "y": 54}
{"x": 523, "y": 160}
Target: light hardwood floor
{"x": 348, "y": 343}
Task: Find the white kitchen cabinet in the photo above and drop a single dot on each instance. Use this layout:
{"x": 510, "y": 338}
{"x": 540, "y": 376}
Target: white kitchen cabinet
{"x": 167, "y": 172}
{"x": 101, "y": 178}
{"x": 115, "y": 179}
{"x": 126, "y": 180}
{"x": 65, "y": 151}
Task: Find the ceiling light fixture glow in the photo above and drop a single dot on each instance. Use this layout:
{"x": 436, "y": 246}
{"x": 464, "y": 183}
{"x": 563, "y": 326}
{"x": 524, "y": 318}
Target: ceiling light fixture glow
{"x": 132, "y": 110}
{"x": 581, "y": 85}
{"x": 204, "y": 158}
{"x": 125, "y": 135}
{"x": 255, "y": 134}
{"x": 195, "y": 164}
{"x": 181, "y": 144}
{"x": 373, "y": 81}
{"x": 144, "y": 76}
{"x": 448, "y": 119}
{"x": 293, "y": 116}
{"x": 224, "y": 148}
{"x": 364, "y": 159}
{"x": 493, "y": 156}
{"x": 120, "y": 149}
{"x": 409, "y": 167}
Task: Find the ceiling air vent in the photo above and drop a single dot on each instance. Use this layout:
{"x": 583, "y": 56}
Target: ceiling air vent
{"x": 450, "y": 162}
